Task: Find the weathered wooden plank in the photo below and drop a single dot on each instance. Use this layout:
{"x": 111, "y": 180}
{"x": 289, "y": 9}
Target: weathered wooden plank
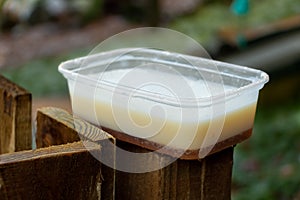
{"x": 15, "y": 117}
{"x": 56, "y": 126}
{"x": 209, "y": 178}
{"x": 57, "y": 172}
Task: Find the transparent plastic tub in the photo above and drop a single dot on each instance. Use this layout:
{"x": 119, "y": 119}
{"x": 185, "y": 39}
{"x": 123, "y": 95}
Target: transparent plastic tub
{"x": 164, "y": 100}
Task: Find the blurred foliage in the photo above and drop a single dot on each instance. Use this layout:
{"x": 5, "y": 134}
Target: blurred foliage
{"x": 20, "y": 12}
{"x": 94, "y": 11}
{"x": 205, "y": 23}
{"x": 267, "y": 165}
{"x": 41, "y": 77}
{"x": 1, "y": 4}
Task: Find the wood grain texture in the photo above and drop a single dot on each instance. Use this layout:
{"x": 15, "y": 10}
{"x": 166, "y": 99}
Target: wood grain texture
{"x": 209, "y": 178}
{"x": 56, "y": 126}
{"x": 15, "y": 117}
{"x": 57, "y": 172}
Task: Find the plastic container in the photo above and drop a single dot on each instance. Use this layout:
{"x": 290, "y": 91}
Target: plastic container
{"x": 158, "y": 99}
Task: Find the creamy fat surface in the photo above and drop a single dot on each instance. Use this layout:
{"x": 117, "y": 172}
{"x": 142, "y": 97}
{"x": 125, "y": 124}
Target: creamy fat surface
{"x": 152, "y": 104}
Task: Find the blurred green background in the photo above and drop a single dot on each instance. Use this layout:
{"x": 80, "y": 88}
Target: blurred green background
{"x": 267, "y": 166}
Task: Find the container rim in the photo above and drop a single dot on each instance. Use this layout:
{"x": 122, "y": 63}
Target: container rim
{"x": 70, "y": 70}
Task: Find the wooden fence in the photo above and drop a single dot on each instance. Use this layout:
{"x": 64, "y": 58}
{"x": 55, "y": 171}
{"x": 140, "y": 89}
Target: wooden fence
{"x": 62, "y": 166}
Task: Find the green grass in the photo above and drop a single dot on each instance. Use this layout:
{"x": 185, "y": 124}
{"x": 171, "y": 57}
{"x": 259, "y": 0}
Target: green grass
{"x": 267, "y": 166}
{"x": 41, "y": 77}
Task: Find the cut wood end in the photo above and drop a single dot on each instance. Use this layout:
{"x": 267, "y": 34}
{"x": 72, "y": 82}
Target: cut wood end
{"x": 94, "y": 133}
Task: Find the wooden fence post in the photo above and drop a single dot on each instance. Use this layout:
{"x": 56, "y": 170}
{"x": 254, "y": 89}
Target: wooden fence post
{"x": 56, "y": 126}
{"x": 209, "y": 178}
{"x": 15, "y": 117}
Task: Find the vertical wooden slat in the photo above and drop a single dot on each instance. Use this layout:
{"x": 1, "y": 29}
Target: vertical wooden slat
{"x": 56, "y": 126}
{"x": 209, "y": 178}
{"x": 57, "y": 172}
{"x": 217, "y": 174}
{"x": 15, "y": 117}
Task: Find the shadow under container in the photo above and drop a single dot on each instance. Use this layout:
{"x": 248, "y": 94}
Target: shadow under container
{"x": 167, "y": 105}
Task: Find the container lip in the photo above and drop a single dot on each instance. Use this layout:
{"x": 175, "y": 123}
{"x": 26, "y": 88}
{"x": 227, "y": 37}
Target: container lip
{"x": 70, "y": 69}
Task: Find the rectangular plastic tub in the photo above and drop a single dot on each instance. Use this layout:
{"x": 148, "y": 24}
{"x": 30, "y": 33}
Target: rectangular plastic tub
{"x": 174, "y": 103}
